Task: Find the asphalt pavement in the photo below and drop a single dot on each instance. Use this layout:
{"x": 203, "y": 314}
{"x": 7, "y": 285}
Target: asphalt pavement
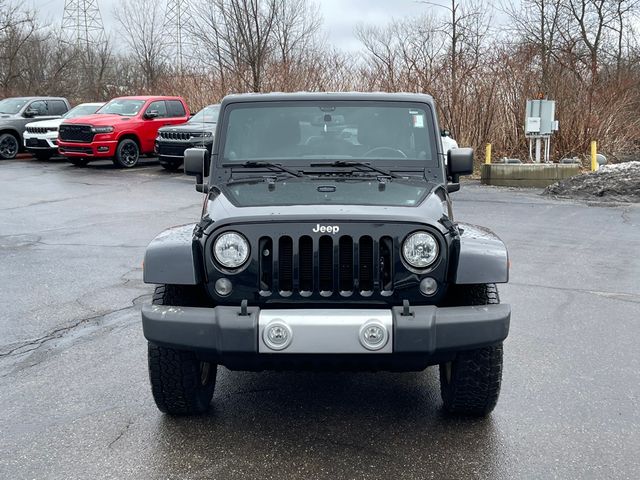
{"x": 75, "y": 397}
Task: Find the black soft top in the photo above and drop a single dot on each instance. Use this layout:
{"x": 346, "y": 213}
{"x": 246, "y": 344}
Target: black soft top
{"x": 328, "y": 96}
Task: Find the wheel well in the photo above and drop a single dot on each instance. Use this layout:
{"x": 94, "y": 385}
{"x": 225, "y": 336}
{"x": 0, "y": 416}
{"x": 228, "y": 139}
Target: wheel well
{"x": 15, "y": 133}
{"x": 132, "y": 137}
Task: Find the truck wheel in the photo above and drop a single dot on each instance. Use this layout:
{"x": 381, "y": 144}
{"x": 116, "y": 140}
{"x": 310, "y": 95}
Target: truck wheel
{"x": 470, "y": 384}
{"x": 170, "y": 165}
{"x": 42, "y": 155}
{"x": 181, "y": 383}
{"x": 78, "y": 162}
{"x": 8, "y": 146}
{"x": 127, "y": 154}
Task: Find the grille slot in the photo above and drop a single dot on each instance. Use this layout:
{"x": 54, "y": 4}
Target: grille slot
{"x": 346, "y": 265}
{"x": 265, "y": 251}
{"x": 365, "y": 274}
{"x": 325, "y": 267}
{"x": 305, "y": 261}
{"x": 285, "y": 265}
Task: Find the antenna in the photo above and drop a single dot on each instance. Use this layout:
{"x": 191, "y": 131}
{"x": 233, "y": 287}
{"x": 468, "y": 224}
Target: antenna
{"x": 177, "y": 22}
{"x": 82, "y": 24}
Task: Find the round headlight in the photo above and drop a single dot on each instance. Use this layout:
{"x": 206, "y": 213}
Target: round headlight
{"x": 420, "y": 249}
{"x": 231, "y": 250}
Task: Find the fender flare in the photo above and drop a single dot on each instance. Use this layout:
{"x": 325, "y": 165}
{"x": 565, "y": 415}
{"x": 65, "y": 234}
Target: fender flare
{"x": 171, "y": 258}
{"x": 483, "y": 257}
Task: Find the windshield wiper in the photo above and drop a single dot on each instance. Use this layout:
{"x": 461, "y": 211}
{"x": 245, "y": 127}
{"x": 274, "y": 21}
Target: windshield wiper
{"x": 358, "y": 165}
{"x": 268, "y": 165}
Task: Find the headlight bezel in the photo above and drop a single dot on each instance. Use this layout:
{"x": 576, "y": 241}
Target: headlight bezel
{"x": 99, "y": 130}
{"x": 431, "y": 265}
{"x": 219, "y": 263}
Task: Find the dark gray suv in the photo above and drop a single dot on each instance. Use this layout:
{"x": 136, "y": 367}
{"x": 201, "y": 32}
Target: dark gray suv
{"x": 16, "y": 112}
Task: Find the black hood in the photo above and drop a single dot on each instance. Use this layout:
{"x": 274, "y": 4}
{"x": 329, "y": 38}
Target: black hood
{"x": 397, "y": 201}
{"x": 190, "y": 127}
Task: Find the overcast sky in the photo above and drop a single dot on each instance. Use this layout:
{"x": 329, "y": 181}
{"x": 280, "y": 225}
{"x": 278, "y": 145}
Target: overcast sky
{"x": 340, "y": 16}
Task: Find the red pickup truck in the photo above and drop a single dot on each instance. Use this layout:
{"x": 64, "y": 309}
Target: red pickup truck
{"x": 123, "y": 129}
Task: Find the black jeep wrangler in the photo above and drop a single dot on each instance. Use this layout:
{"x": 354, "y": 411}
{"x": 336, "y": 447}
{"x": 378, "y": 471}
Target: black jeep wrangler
{"x": 326, "y": 240}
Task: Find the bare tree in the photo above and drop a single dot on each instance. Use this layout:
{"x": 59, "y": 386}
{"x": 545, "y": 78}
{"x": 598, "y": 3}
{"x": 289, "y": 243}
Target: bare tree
{"x": 141, "y": 26}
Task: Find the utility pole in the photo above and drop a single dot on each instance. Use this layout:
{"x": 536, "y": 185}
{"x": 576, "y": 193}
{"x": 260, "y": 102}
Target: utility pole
{"x": 177, "y": 23}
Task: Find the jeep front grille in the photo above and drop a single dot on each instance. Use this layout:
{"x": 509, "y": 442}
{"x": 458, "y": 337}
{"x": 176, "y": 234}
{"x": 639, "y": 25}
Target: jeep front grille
{"x": 325, "y": 265}
{"x": 37, "y": 130}
{"x": 180, "y": 135}
{"x": 76, "y": 133}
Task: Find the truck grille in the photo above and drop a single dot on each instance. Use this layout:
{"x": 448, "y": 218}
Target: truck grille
{"x": 37, "y": 130}
{"x": 325, "y": 265}
{"x": 76, "y": 133}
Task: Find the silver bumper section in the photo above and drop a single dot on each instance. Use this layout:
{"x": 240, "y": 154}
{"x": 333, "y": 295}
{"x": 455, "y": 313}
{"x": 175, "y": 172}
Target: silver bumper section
{"x": 424, "y": 330}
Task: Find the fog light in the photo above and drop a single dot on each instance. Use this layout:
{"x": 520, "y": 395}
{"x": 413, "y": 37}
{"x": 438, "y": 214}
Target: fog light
{"x": 277, "y": 335}
{"x": 103, "y": 149}
{"x": 428, "y": 286}
{"x": 223, "y": 287}
{"x": 373, "y": 335}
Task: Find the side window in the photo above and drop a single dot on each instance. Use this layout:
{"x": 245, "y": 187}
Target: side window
{"x": 176, "y": 109}
{"x": 160, "y": 107}
{"x": 40, "y": 106}
{"x": 57, "y": 107}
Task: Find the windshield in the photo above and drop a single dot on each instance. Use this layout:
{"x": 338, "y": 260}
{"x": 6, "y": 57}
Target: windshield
{"x": 206, "y": 115}
{"x": 338, "y": 191}
{"x": 393, "y": 132}
{"x": 122, "y": 106}
{"x": 81, "y": 111}
{"x": 12, "y": 105}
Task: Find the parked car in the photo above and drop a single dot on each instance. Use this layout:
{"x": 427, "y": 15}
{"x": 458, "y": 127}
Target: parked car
{"x": 122, "y": 130}
{"x": 199, "y": 131}
{"x": 16, "y": 112}
{"x": 41, "y": 138}
{"x": 316, "y": 250}
{"x": 448, "y": 143}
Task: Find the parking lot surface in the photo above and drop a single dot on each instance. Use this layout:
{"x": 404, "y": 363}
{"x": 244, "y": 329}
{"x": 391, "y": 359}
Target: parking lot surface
{"x": 73, "y": 381}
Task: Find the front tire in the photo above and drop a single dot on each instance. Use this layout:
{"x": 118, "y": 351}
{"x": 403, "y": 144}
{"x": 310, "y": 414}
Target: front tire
{"x": 9, "y": 146}
{"x": 43, "y": 156}
{"x": 181, "y": 383}
{"x": 170, "y": 165}
{"x": 470, "y": 383}
{"x": 127, "y": 154}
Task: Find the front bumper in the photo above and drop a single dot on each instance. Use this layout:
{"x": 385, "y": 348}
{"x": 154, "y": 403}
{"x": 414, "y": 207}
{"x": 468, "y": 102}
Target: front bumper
{"x": 427, "y": 336}
{"x": 98, "y": 149}
{"x": 40, "y": 142}
{"x": 174, "y": 150}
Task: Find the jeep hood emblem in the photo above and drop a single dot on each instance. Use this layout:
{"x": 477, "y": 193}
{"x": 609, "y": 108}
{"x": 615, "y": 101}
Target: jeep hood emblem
{"x": 332, "y": 229}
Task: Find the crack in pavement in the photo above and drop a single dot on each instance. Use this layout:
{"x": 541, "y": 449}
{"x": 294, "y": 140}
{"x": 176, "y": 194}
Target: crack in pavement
{"x": 622, "y": 296}
{"x": 23, "y": 347}
{"x": 123, "y": 431}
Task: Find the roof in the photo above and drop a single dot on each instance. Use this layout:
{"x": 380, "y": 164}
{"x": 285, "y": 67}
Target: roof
{"x": 329, "y": 96}
{"x": 150, "y": 97}
{"x": 38, "y": 97}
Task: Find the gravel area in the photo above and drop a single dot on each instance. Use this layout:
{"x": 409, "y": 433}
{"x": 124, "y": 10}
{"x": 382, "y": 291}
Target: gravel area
{"x": 614, "y": 183}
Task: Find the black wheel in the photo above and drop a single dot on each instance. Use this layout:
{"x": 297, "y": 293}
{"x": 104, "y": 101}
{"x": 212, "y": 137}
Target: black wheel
{"x": 470, "y": 384}
{"x": 127, "y": 153}
{"x": 78, "y": 162}
{"x": 8, "y": 146}
{"x": 42, "y": 155}
{"x": 181, "y": 383}
{"x": 170, "y": 165}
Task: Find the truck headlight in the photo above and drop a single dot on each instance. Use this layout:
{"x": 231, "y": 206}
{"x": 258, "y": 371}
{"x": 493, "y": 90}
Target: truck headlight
{"x": 420, "y": 249}
{"x": 102, "y": 129}
{"x": 231, "y": 249}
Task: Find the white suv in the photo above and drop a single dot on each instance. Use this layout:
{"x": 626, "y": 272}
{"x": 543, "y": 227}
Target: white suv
{"x": 41, "y": 138}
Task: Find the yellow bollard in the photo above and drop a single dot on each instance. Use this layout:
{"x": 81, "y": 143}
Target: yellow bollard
{"x": 594, "y": 155}
{"x": 487, "y": 154}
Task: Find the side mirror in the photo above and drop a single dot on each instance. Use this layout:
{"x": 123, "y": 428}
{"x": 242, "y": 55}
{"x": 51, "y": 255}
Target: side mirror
{"x": 31, "y": 112}
{"x": 152, "y": 114}
{"x": 197, "y": 164}
{"x": 445, "y": 133}
{"x": 459, "y": 162}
